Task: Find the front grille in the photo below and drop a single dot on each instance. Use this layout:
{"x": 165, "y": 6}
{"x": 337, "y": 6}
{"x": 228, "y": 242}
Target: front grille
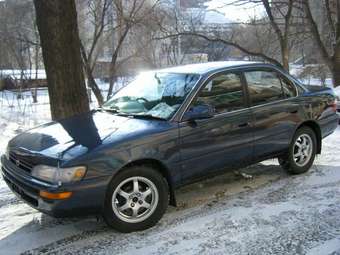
{"x": 22, "y": 190}
{"x": 21, "y": 162}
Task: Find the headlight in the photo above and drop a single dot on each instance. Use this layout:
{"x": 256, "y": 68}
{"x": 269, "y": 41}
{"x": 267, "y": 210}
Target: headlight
{"x": 59, "y": 175}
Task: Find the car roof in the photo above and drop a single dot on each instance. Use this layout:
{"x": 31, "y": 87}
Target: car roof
{"x": 204, "y": 68}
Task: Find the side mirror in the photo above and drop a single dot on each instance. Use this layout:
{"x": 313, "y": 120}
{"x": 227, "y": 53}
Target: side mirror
{"x": 199, "y": 112}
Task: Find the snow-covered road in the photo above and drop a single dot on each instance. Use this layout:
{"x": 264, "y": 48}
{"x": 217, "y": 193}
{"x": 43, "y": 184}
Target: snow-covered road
{"x": 270, "y": 213}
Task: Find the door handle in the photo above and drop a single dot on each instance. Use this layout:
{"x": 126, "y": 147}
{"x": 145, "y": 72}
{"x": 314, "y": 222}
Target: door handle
{"x": 243, "y": 125}
{"x": 293, "y": 111}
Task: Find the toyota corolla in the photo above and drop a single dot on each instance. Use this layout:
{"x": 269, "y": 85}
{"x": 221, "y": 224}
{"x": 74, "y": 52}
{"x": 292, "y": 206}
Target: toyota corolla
{"x": 166, "y": 129}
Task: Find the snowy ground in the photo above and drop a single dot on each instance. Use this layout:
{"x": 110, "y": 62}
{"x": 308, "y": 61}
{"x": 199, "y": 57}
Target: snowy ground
{"x": 270, "y": 213}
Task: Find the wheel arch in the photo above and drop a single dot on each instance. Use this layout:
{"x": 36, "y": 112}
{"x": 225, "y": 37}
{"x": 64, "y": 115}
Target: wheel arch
{"x": 317, "y": 130}
{"x": 158, "y": 166}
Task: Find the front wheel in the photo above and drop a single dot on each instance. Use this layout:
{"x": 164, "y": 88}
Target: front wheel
{"x": 302, "y": 151}
{"x": 136, "y": 199}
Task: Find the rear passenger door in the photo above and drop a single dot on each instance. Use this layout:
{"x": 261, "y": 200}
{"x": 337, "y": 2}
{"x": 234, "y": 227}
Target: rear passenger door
{"x": 274, "y": 107}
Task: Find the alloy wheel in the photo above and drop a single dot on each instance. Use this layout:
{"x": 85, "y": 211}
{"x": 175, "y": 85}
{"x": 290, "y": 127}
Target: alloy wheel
{"x": 303, "y": 150}
{"x": 135, "y": 199}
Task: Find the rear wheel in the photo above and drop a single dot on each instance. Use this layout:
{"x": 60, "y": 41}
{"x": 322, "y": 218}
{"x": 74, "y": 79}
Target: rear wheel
{"x": 301, "y": 154}
{"x": 136, "y": 199}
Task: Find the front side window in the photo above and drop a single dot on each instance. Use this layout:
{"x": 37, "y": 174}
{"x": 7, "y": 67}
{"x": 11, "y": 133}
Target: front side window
{"x": 155, "y": 94}
{"x": 289, "y": 89}
{"x": 224, "y": 93}
{"x": 264, "y": 87}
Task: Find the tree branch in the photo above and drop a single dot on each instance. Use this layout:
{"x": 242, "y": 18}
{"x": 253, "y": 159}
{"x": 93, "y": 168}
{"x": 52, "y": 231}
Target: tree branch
{"x": 226, "y": 42}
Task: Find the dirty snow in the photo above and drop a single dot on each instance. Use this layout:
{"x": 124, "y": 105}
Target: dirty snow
{"x": 256, "y": 210}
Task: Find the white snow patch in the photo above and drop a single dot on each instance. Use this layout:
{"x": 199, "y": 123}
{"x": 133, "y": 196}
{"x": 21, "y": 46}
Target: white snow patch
{"x": 327, "y": 247}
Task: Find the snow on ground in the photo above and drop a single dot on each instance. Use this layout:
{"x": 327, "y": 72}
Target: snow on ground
{"x": 296, "y": 71}
{"x": 337, "y": 91}
{"x": 269, "y": 213}
{"x": 27, "y": 74}
{"x": 317, "y": 82}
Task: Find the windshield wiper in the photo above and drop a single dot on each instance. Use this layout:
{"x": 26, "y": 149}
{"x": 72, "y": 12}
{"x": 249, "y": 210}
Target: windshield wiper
{"x": 109, "y": 110}
{"x": 142, "y": 116}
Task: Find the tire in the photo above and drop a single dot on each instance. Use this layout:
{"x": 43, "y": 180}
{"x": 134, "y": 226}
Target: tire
{"x": 301, "y": 163}
{"x": 136, "y": 209}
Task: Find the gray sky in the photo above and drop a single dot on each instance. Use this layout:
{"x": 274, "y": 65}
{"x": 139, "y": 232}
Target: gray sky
{"x": 236, "y": 13}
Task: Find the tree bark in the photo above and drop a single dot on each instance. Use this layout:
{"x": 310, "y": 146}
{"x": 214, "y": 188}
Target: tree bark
{"x": 336, "y": 67}
{"x": 113, "y": 80}
{"x": 58, "y": 29}
{"x": 285, "y": 56}
{"x": 336, "y": 55}
{"x": 94, "y": 87}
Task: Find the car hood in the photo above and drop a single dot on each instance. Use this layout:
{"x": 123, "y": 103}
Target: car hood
{"x": 78, "y": 135}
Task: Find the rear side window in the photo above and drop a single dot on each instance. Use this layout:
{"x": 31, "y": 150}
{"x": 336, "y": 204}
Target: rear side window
{"x": 263, "y": 87}
{"x": 224, "y": 93}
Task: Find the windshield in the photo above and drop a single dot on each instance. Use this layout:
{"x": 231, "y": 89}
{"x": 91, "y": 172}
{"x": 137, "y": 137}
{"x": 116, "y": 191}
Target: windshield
{"x": 153, "y": 94}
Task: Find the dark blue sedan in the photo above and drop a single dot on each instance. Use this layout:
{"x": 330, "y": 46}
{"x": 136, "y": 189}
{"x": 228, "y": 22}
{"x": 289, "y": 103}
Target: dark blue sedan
{"x": 164, "y": 130}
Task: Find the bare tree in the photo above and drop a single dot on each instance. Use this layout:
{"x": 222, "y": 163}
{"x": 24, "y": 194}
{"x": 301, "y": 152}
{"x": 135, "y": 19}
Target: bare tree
{"x": 19, "y": 44}
{"x": 113, "y": 25}
{"x": 329, "y": 46}
{"x": 279, "y": 16}
{"x": 57, "y": 24}
{"x": 16, "y": 33}
{"x": 282, "y": 33}
{"x": 128, "y": 16}
{"x": 91, "y": 44}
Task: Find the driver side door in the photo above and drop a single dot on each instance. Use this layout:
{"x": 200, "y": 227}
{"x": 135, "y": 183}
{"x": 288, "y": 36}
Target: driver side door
{"x": 225, "y": 140}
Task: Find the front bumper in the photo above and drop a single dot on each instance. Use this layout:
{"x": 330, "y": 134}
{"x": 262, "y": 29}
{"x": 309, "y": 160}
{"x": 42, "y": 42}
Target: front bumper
{"x": 87, "y": 195}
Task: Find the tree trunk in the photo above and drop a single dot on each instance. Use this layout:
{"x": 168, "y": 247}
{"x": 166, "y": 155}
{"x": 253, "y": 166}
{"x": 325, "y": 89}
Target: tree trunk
{"x": 113, "y": 80}
{"x": 94, "y": 87}
{"x": 285, "y": 57}
{"x": 336, "y": 64}
{"x": 112, "y": 75}
{"x": 34, "y": 93}
{"x": 58, "y": 29}
{"x": 90, "y": 79}
{"x": 336, "y": 73}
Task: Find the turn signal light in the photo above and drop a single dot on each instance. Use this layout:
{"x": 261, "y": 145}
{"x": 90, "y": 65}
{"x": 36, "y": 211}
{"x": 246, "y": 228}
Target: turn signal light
{"x": 56, "y": 196}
